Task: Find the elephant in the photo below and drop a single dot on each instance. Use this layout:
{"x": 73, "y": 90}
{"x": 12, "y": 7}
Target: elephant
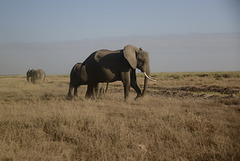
{"x": 37, "y": 76}
{"x": 76, "y": 76}
{"x": 119, "y": 65}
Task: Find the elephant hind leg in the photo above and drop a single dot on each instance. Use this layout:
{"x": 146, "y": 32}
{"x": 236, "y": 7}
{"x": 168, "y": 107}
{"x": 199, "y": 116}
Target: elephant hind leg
{"x": 92, "y": 91}
{"x": 106, "y": 88}
{"x": 95, "y": 91}
{"x": 89, "y": 92}
{"x": 75, "y": 91}
{"x": 70, "y": 91}
{"x": 101, "y": 92}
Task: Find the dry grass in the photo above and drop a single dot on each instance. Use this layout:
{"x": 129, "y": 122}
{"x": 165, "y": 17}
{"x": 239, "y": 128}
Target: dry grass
{"x": 184, "y": 116}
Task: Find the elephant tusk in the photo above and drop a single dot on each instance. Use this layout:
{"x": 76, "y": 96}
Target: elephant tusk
{"x": 149, "y": 77}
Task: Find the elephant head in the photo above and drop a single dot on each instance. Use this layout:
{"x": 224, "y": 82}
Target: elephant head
{"x": 33, "y": 74}
{"x": 138, "y": 58}
{"x": 29, "y": 74}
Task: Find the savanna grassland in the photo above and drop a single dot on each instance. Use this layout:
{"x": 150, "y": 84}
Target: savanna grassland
{"x": 183, "y": 116}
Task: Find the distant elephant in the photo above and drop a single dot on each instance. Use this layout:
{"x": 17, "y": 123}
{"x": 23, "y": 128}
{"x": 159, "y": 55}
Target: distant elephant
{"x": 37, "y": 76}
{"x": 119, "y": 65}
{"x": 76, "y": 76}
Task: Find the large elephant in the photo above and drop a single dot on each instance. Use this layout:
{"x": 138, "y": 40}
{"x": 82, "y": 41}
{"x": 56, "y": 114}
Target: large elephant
{"x": 37, "y": 76}
{"x": 119, "y": 65}
{"x": 76, "y": 75}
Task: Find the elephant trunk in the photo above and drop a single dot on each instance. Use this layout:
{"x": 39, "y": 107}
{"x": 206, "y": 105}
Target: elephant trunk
{"x": 147, "y": 74}
{"x": 28, "y": 76}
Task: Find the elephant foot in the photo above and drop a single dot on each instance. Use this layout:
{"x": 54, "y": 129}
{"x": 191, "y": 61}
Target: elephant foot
{"x": 138, "y": 97}
{"x": 91, "y": 96}
{"x": 125, "y": 99}
{"x": 88, "y": 97}
{"x": 69, "y": 97}
{"x": 76, "y": 95}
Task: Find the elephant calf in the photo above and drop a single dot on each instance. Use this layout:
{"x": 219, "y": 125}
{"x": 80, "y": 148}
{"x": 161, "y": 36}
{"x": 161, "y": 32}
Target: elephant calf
{"x": 77, "y": 78}
{"x": 37, "y": 76}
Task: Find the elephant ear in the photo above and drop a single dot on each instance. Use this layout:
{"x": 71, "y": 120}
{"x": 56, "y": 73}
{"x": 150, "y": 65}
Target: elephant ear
{"x": 29, "y": 71}
{"x": 129, "y": 53}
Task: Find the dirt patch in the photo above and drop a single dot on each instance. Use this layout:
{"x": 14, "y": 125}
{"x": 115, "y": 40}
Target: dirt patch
{"x": 221, "y": 90}
{"x": 213, "y": 92}
{"x": 205, "y": 92}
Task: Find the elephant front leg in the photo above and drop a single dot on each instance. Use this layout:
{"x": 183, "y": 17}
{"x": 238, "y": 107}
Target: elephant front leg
{"x": 134, "y": 84}
{"x": 126, "y": 90}
{"x": 28, "y": 79}
{"x": 126, "y": 84}
{"x": 96, "y": 89}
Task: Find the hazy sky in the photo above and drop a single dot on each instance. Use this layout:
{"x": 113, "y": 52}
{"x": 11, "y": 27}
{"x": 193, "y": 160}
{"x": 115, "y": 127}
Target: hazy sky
{"x": 186, "y": 35}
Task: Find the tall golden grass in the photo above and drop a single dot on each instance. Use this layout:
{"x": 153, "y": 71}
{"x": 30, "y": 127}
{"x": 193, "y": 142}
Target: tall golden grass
{"x": 183, "y": 116}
